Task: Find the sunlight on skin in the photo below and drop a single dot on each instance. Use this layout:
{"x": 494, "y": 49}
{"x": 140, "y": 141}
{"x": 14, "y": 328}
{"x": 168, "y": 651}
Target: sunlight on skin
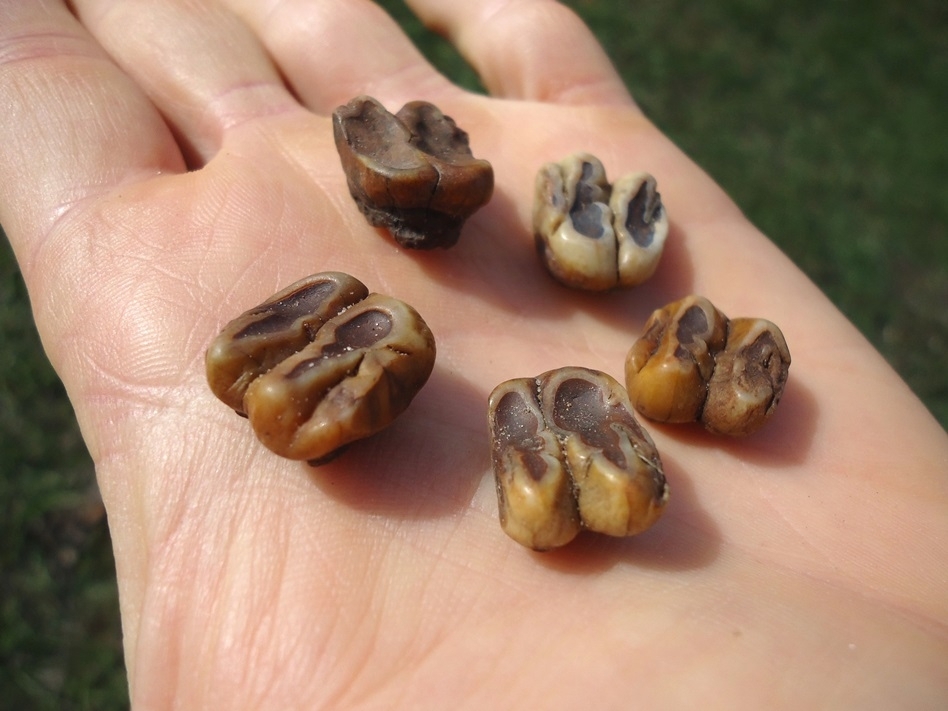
{"x": 799, "y": 567}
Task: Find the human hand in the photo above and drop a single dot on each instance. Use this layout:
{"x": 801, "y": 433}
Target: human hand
{"x": 797, "y": 567}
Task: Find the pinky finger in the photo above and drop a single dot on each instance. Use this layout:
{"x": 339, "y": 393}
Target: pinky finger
{"x": 536, "y": 50}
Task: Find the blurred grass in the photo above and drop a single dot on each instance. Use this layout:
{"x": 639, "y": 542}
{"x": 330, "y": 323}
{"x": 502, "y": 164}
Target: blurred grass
{"x": 60, "y": 641}
{"x": 824, "y": 120}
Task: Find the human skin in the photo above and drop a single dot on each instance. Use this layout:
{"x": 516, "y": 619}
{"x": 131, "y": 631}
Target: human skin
{"x": 167, "y": 165}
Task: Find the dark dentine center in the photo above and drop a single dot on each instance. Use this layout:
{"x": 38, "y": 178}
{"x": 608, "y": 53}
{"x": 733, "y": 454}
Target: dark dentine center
{"x": 360, "y": 332}
{"x": 693, "y": 322}
{"x": 579, "y": 406}
{"x": 364, "y": 330}
{"x": 641, "y": 214}
{"x": 519, "y": 427}
{"x": 586, "y": 211}
{"x": 281, "y": 314}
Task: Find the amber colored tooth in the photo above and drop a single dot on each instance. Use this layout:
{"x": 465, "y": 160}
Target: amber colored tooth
{"x": 321, "y": 364}
{"x": 692, "y": 363}
{"x": 569, "y": 454}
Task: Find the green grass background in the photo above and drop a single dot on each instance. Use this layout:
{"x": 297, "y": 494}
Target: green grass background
{"x": 825, "y": 120}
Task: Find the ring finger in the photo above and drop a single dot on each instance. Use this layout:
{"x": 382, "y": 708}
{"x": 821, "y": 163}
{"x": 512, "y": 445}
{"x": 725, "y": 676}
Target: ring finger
{"x": 332, "y": 51}
{"x": 528, "y": 49}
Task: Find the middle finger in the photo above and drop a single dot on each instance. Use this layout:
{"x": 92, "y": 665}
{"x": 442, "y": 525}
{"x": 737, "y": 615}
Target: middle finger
{"x": 332, "y": 51}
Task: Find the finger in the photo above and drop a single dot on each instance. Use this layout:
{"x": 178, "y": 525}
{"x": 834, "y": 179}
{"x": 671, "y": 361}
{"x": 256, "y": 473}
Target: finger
{"x": 198, "y": 62}
{"x": 528, "y": 49}
{"x": 332, "y": 51}
{"x": 73, "y": 125}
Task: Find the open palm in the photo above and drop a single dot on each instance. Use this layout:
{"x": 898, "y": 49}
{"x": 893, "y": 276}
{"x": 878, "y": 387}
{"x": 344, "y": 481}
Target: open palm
{"x": 803, "y": 566}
